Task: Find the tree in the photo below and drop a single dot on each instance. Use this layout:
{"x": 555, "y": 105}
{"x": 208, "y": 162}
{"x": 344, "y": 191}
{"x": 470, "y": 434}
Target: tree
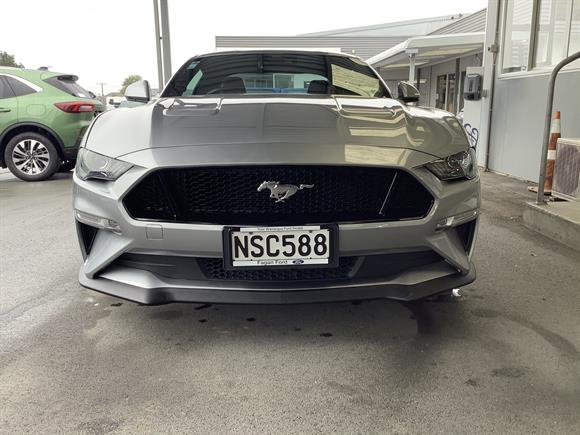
{"x": 8, "y": 60}
{"x": 129, "y": 80}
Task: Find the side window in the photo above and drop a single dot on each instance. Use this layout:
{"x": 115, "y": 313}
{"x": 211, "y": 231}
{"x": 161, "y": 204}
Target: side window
{"x": 516, "y": 44}
{"x": 5, "y": 91}
{"x": 18, "y": 87}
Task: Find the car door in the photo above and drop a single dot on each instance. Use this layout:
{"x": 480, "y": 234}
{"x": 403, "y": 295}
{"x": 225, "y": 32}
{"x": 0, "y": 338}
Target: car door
{"x": 8, "y": 105}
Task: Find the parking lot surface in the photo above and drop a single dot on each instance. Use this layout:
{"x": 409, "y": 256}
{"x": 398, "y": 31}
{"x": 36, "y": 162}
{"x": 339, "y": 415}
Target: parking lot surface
{"x": 503, "y": 358}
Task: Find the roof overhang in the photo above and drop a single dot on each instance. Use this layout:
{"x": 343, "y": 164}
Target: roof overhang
{"x": 428, "y": 50}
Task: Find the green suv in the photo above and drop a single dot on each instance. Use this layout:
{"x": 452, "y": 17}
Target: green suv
{"x": 43, "y": 116}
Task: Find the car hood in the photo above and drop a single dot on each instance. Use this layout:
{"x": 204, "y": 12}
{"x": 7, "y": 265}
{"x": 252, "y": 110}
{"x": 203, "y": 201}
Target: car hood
{"x": 291, "y": 122}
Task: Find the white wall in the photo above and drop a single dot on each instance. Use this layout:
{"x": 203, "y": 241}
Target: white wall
{"x": 517, "y": 122}
{"x": 516, "y": 125}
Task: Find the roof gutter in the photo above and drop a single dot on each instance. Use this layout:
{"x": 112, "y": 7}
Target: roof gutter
{"x": 429, "y": 41}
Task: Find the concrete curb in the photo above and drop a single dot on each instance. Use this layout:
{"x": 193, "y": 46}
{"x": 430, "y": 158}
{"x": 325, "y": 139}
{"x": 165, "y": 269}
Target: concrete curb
{"x": 558, "y": 221}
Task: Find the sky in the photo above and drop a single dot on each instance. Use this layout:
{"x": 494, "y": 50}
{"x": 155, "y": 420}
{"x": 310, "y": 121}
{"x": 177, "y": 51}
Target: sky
{"x": 104, "y": 41}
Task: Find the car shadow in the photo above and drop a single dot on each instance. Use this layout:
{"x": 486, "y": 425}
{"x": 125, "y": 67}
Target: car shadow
{"x": 406, "y": 336}
{"x": 375, "y": 318}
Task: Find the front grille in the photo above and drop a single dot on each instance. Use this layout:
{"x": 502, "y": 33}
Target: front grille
{"x": 213, "y": 268}
{"x": 229, "y": 196}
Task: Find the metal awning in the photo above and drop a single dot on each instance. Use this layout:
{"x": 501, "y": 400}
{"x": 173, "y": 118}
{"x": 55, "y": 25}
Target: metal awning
{"x": 428, "y": 50}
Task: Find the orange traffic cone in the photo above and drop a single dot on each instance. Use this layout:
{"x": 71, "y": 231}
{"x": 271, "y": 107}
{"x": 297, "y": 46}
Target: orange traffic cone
{"x": 555, "y": 131}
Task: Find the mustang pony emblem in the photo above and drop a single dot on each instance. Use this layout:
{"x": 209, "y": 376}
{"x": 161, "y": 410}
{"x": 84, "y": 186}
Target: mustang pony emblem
{"x": 281, "y": 192}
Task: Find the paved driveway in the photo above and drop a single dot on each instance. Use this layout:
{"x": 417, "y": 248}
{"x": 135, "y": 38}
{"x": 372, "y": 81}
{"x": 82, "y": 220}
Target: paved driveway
{"x": 504, "y": 358}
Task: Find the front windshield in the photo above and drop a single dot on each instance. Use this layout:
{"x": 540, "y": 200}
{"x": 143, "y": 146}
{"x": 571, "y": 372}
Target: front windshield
{"x": 275, "y": 73}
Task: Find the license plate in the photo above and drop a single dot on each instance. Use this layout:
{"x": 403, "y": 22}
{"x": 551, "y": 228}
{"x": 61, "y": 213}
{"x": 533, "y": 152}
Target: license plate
{"x": 295, "y": 246}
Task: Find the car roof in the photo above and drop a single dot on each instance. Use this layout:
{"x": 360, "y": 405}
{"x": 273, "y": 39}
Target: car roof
{"x": 31, "y": 73}
{"x": 275, "y": 51}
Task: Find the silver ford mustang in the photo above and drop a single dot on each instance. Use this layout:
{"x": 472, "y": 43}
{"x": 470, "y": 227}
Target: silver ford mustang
{"x": 275, "y": 177}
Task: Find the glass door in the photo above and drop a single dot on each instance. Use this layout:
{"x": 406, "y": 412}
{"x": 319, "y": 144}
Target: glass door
{"x": 446, "y": 93}
{"x": 441, "y": 91}
{"x": 450, "y": 106}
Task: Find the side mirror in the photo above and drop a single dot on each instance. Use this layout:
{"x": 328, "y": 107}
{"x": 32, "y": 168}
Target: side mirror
{"x": 407, "y": 93}
{"x": 139, "y": 92}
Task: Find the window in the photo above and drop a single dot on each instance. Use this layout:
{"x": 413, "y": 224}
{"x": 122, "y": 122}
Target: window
{"x": 445, "y": 97}
{"x": 69, "y": 85}
{"x": 518, "y": 24}
{"x": 574, "y": 45}
{"x": 451, "y": 93}
{"x": 539, "y": 33}
{"x": 19, "y": 88}
{"x": 556, "y": 35}
{"x": 275, "y": 73}
{"x": 441, "y": 95}
{"x": 5, "y": 91}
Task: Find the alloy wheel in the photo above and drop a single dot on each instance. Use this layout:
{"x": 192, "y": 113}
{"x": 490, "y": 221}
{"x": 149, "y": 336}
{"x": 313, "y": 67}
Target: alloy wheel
{"x": 30, "y": 157}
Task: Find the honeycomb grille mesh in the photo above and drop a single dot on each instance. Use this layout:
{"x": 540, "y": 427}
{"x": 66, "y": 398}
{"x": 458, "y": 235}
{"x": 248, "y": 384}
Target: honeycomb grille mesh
{"x": 229, "y": 195}
{"x": 213, "y": 268}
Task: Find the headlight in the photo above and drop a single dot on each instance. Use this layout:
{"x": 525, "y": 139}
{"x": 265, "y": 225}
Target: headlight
{"x": 456, "y": 166}
{"x": 91, "y": 165}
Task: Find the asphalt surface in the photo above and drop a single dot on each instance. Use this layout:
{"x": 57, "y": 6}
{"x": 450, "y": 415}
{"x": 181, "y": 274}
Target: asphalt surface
{"x": 504, "y": 358}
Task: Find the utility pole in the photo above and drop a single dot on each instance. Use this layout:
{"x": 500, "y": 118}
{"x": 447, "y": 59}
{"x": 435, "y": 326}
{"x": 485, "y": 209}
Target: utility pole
{"x": 162, "y": 41}
{"x": 165, "y": 40}
{"x": 158, "y": 45}
{"x": 102, "y": 90}
{"x": 103, "y": 99}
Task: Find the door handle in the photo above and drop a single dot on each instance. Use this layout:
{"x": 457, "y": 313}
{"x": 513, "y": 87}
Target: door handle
{"x": 3, "y": 110}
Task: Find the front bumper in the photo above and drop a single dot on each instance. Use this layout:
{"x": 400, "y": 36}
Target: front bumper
{"x": 104, "y": 271}
{"x": 146, "y": 288}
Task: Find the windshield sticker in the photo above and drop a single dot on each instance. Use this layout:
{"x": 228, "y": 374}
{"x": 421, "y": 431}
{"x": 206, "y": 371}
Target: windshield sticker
{"x": 354, "y": 81}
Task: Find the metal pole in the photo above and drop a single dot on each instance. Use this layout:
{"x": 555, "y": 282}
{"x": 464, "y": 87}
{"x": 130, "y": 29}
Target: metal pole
{"x": 158, "y": 45}
{"x": 549, "y": 105}
{"x": 412, "y": 68}
{"x": 458, "y": 90}
{"x": 489, "y": 64}
{"x": 102, "y": 89}
{"x": 165, "y": 40}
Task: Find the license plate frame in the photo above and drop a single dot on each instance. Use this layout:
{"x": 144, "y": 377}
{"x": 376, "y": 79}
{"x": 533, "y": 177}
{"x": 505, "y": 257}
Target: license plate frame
{"x": 332, "y": 246}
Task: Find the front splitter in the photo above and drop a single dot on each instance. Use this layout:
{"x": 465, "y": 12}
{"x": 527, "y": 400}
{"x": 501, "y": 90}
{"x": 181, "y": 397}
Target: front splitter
{"x": 332, "y": 293}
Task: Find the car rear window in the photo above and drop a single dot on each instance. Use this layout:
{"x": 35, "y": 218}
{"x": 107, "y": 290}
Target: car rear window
{"x": 275, "y": 73}
{"x": 69, "y": 85}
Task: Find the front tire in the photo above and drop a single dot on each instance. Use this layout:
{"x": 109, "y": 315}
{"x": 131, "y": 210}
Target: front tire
{"x": 31, "y": 157}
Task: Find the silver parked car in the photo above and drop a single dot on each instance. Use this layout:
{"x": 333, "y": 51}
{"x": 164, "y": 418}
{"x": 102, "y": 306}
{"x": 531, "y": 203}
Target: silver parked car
{"x": 275, "y": 177}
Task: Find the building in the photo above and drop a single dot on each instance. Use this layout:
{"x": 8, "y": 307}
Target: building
{"x": 386, "y": 46}
{"x": 364, "y": 42}
{"x": 524, "y": 40}
{"x": 436, "y": 62}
